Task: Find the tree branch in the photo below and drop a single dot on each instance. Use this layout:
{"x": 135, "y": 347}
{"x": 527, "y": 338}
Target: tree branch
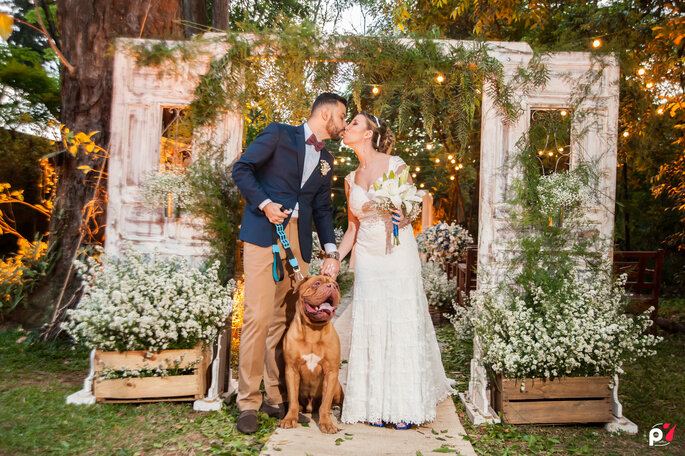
{"x": 51, "y": 41}
{"x": 51, "y": 25}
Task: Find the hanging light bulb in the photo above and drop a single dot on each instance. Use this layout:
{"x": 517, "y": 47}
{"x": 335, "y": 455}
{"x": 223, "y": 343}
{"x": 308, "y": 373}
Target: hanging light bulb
{"x": 437, "y": 160}
{"x": 335, "y": 178}
{"x": 375, "y": 90}
{"x": 335, "y": 162}
{"x": 561, "y": 149}
{"x": 413, "y": 174}
{"x": 429, "y": 146}
{"x": 660, "y": 111}
{"x": 550, "y": 153}
{"x": 449, "y": 157}
{"x": 451, "y": 178}
{"x": 641, "y": 72}
{"x": 453, "y": 161}
{"x": 650, "y": 85}
{"x": 440, "y": 78}
{"x": 626, "y": 134}
{"x": 418, "y": 169}
{"x": 597, "y": 43}
{"x": 422, "y": 185}
{"x": 563, "y": 113}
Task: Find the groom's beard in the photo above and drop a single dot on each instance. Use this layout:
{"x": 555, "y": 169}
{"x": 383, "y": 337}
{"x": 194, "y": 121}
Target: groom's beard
{"x": 333, "y": 131}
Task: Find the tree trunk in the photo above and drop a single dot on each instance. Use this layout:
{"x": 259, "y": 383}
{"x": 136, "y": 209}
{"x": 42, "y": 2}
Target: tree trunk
{"x": 195, "y": 14}
{"x": 221, "y": 13}
{"x": 87, "y": 30}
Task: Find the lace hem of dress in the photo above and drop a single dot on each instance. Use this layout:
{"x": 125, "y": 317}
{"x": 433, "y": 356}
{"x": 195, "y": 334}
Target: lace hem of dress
{"x": 411, "y": 419}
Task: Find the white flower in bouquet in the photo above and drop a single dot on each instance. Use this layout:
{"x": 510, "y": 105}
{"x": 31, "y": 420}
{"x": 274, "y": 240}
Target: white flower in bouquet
{"x": 393, "y": 192}
{"x": 148, "y": 302}
{"x": 439, "y": 291}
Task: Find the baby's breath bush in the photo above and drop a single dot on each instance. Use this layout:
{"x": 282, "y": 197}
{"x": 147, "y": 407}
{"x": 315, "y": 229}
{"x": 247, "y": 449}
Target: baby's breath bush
{"x": 148, "y": 302}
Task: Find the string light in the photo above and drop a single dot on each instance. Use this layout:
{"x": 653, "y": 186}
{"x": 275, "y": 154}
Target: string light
{"x": 449, "y": 157}
{"x": 437, "y": 160}
{"x": 429, "y": 146}
{"x": 660, "y": 111}
{"x": 418, "y": 169}
{"x": 335, "y": 178}
{"x": 563, "y": 113}
{"x": 451, "y": 178}
{"x": 440, "y": 79}
{"x": 335, "y": 162}
{"x": 626, "y": 134}
{"x": 550, "y": 153}
{"x": 453, "y": 161}
{"x": 540, "y": 152}
{"x": 375, "y": 90}
{"x": 597, "y": 43}
{"x": 650, "y": 85}
{"x": 413, "y": 174}
{"x": 422, "y": 185}
{"x": 331, "y": 194}
{"x": 641, "y": 72}
{"x": 561, "y": 149}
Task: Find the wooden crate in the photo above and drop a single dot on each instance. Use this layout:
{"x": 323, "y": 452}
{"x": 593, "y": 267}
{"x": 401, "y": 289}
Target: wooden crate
{"x": 564, "y": 400}
{"x": 152, "y": 389}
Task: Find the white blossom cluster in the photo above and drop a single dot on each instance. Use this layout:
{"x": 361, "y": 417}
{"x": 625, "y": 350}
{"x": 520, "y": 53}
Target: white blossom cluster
{"x": 439, "y": 291}
{"x": 580, "y": 331}
{"x": 316, "y": 244}
{"x": 444, "y": 243}
{"x": 148, "y": 302}
{"x": 559, "y": 191}
{"x": 156, "y": 187}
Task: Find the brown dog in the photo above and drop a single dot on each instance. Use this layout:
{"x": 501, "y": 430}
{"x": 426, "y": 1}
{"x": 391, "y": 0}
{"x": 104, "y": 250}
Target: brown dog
{"x": 311, "y": 349}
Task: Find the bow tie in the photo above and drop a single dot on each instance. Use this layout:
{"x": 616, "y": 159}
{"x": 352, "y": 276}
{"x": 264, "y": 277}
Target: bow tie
{"x": 318, "y": 145}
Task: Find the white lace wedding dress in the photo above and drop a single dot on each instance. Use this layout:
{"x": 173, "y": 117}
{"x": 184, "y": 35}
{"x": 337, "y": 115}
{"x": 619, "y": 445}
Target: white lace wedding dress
{"x": 394, "y": 368}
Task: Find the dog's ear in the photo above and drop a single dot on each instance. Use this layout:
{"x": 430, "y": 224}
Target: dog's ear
{"x": 300, "y": 283}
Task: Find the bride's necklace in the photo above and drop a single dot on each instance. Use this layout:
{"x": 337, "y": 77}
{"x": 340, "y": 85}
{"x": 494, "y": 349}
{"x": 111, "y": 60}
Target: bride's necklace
{"x": 364, "y": 166}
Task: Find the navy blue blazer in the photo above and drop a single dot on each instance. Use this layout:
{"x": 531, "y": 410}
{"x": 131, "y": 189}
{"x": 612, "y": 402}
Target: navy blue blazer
{"x": 271, "y": 167}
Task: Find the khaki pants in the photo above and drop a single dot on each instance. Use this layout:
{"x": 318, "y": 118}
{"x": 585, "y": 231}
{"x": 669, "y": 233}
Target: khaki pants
{"x": 269, "y": 307}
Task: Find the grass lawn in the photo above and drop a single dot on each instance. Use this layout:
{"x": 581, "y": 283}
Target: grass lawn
{"x": 652, "y": 391}
{"x": 36, "y": 377}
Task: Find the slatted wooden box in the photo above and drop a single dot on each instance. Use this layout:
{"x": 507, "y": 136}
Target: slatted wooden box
{"x": 564, "y": 400}
{"x": 152, "y": 389}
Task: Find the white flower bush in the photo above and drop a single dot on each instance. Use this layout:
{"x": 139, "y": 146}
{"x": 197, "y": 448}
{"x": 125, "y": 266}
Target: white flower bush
{"x": 443, "y": 242}
{"x": 148, "y": 302}
{"x": 439, "y": 291}
{"x": 156, "y": 187}
{"x": 316, "y": 244}
{"x": 315, "y": 266}
{"x": 581, "y": 329}
{"x": 561, "y": 191}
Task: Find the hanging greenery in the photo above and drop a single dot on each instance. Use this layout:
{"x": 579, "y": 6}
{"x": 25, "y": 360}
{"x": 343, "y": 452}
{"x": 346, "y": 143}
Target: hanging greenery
{"x": 279, "y": 72}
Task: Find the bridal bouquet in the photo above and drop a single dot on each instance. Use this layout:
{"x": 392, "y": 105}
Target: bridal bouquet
{"x": 396, "y": 192}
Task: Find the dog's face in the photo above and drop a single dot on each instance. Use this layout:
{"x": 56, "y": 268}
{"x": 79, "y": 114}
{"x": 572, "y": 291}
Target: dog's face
{"x": 319, "y": 298}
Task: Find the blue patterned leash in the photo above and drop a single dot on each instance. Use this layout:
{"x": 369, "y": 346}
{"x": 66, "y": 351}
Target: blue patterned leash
{"x": 277, "y": 270}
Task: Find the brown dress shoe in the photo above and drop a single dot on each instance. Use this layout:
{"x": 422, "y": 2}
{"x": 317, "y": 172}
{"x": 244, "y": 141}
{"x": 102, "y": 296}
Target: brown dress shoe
{"x": 247, "y": 421}
{"x": 279, "y": 411}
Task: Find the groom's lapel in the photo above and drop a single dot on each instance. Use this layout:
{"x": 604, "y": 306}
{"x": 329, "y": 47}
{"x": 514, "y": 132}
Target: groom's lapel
{"x": 299, "y": 143}
{"x": 316, "y": 174}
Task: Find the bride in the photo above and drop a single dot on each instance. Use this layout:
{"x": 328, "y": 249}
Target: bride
{"x": 395, "y": 374}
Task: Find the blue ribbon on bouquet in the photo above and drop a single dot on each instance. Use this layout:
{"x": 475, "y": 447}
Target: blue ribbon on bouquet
{"x": 395, "y": 230}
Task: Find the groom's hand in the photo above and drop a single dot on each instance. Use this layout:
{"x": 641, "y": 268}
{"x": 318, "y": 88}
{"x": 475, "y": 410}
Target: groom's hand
{"x": 275, "y": 214}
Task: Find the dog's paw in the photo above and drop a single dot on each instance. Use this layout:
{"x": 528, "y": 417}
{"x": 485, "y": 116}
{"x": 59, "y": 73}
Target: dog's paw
{"x": 289, "y": 423}
{"x": 328, "y": 427}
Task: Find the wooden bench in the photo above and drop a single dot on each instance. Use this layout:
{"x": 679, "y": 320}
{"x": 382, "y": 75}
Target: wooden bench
{"x": 466, "y": 274}
{"x": 644, "y": 279}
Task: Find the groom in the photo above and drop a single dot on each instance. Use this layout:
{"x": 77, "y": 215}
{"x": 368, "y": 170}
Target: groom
{"x": 285, "y": 177}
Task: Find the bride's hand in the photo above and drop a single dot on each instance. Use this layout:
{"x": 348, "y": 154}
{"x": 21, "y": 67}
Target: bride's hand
{"x": 399, "y": 219}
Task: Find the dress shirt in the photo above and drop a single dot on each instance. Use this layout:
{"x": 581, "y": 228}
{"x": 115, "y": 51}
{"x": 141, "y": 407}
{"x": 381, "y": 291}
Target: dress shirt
{"x": 311, "y": 161}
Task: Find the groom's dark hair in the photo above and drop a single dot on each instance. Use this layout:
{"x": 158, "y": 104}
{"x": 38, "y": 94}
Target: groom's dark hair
{"x": 327, "y": 98}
